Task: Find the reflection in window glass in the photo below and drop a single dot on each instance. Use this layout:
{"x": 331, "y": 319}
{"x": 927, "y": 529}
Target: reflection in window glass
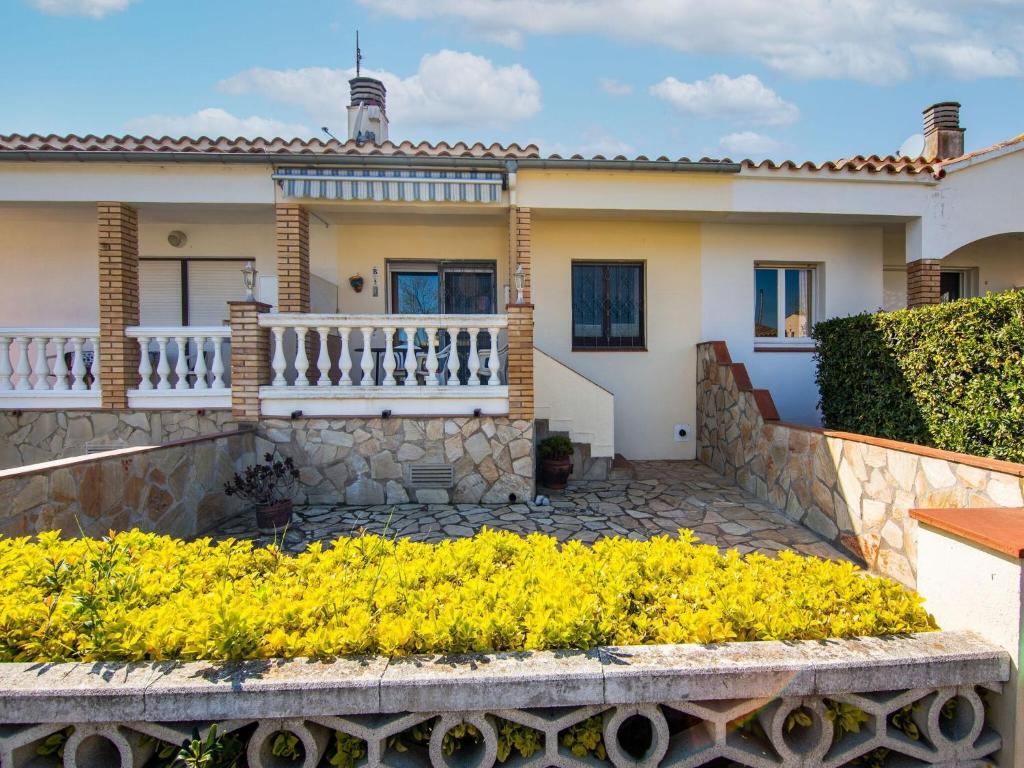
{"x": 587, "y": 301}
{"x": 798, "y": 303}
{"x": 766, "y": 303}
{"x": 416, "y": 293}
{"x": 624, "y": 300}
{"x": 608, "y": 305}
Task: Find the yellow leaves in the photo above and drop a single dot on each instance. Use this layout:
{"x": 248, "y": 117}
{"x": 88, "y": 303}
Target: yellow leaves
{"x": 140, "y": 596}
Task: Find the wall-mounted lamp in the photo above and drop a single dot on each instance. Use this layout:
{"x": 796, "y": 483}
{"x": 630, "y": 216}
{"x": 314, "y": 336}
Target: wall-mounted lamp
{"x": 249, "y": 273}
{"x": 520, "y": 279}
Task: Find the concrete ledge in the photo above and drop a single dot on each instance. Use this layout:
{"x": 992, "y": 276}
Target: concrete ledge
{"x": 171, "y": 691}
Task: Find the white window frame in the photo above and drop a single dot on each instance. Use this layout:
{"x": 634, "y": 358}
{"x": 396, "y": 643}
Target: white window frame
{"x": 968, "y": 280}
{"x": 816, "y": 304}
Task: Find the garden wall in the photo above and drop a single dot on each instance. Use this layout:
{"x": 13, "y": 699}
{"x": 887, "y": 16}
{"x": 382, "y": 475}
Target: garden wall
{"x": 856, "y": 491}
{"x": 175, "y": 488}
{"x": 29, "y": 437}
{"x": 368, "y": 461}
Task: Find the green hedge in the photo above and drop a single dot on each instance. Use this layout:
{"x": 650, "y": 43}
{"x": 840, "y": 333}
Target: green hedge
{"x": 949, "y": 376}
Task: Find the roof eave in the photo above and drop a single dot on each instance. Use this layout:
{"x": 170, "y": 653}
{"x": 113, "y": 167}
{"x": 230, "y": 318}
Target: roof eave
{"x": 969, "y": 161}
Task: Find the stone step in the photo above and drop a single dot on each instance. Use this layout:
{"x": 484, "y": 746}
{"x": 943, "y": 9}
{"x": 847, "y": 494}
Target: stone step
{"x": 621, "y": 468}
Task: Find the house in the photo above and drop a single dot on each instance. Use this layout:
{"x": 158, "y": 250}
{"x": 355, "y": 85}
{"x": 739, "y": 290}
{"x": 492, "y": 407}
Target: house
{"x": 281, "y": 281}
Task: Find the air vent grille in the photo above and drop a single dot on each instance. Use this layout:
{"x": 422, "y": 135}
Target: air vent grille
{"x": 431, "y": 476}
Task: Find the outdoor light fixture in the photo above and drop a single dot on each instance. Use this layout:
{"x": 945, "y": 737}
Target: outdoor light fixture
{"x": 477, "y": 412}
{"x": 386, "y": 413}
{"x": 249, "y": 280}
{"x": 520, "y": 282}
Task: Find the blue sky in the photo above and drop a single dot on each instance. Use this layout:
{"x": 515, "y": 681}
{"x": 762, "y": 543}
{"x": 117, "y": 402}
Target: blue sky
{"x": 803, "y": 79}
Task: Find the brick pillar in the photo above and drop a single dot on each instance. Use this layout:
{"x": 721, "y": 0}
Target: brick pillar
{"x": 250, "y": 358}
{"x": 519, "y": 249}
{"x": 923, "y": 282}
{"x": 118, "y": 243}
{"x": 292, "y": 258}
{"x": 520, "y": 361}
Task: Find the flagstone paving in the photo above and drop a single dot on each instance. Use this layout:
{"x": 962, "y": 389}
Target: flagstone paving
{"x": 664, "y": 497}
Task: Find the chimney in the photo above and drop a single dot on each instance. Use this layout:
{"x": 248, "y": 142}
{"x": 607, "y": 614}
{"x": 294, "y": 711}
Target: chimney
{"x": 367, "y": 119}
{"x": 943, "y": 136}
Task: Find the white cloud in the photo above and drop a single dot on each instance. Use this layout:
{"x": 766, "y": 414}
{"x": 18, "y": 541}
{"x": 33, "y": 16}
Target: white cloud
{"x": 860, "y": 39}
{"x": 750, "y": 144}
{"x": 593, "y": 141}
{"x": 215, "y": 122}
{"x": 969, "y": 61}
{"x": 95, "y": 8}
{"x": 743, "y": 99}
{"x": 450, "y": 89}
{"x": 615, "y": 87}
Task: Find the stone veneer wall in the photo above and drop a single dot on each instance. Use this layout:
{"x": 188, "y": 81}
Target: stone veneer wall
{"x": 366, "y": 461}
{"x": 29, "y": 437}
{"x": 854, "y": 490}
{"x": 175, "y": 489}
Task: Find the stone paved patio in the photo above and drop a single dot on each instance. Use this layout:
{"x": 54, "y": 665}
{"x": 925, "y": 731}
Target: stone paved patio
{"x": 665, "y": 496}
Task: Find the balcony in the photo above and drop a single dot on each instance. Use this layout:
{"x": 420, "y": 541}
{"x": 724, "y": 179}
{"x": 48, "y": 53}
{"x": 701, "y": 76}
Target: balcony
{"x": 49, "y": 368}
{"x": 360, "y": 365}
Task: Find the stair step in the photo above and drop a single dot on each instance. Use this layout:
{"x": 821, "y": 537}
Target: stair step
{"x": 621, "y": 469}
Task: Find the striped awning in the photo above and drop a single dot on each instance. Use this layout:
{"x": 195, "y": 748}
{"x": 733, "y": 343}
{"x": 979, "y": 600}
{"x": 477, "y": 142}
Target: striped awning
{"x": 390, "y": 186}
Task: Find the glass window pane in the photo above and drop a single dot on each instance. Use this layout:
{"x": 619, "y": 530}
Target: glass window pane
{"x": 624, "y": 300}
{"x": 469, "y": 293}
{"x": 766, "y": 303}
{"x": 416, "y": 293}
{"x": 798, "y": 303}
{"x": 950, "y": 286}
{"x": 587, "y": 301}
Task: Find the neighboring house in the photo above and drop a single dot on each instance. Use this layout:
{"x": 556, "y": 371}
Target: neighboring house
{"x": 625, "y": 266}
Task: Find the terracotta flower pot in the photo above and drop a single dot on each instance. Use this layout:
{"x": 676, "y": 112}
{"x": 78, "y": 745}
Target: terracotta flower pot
{"x": 554, "y": 473}
{"x": 274, "y": 518}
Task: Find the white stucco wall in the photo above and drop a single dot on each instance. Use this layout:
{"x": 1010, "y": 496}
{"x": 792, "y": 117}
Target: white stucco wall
{"x": 999, "y": 262}
{"x": 653, "y": 389}
{"x": 849, "y": 280}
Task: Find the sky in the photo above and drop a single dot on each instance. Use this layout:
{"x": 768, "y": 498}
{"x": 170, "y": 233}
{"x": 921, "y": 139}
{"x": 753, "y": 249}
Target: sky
{"x": 799, "y": 79}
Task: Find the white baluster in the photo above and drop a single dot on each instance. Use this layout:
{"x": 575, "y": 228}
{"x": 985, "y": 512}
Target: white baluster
{"x": 5, "y": 364}
{"x": 474, "y": 359}
{"x": 163, "y": 366}
{"x": 345, "y": 358}
{"x": 323, "y": 360}
{"x": 301, "y": 359}
{"x": 94, "y": 367}
{"x": 78, "y": 364}
{"x": 145, "y": 364}
{"x": 60, "y": 366}
{"x": 22, "y": 367}
{"x": 200, "y": 367}
{"x": 279, "y": 363}
{"x": 366, "y": 362}
{"x": 389, "y": 357}
{"x": 493, "y": 361}
{"x": 181, "y": 364}
{"x": 453, "y": 357}
{"x": 431, "y": 377}
{"x": 218, "y": 363}
{"x": 410, "y": 357}
{"x": 40, "y": 367}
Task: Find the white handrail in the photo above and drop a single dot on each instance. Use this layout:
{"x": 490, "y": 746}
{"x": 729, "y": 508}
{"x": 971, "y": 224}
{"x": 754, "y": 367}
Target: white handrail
{"x": 294, "y": 319}
{"x": 40, "y": 360}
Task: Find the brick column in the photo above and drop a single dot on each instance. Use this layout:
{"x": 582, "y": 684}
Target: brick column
{"x": 519, "y": 249}
{"x": 250, "y": 358}
{"x": 292, "y": 258}
{"x": 923, "y": 282}
{"x": 118, "y": 244}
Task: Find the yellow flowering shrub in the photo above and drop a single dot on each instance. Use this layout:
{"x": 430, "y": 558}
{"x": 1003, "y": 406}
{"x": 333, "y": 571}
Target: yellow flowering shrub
{"x": 137, "y": 596}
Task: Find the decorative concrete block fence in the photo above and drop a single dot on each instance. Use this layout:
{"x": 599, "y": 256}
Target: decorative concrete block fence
{"x": 175, "y": 488}
{"x": 854, "y": 490}
{"x": 681, "y": 705}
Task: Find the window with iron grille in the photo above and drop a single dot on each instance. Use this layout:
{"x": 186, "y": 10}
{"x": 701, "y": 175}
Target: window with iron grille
{"x": 608, "y": 305}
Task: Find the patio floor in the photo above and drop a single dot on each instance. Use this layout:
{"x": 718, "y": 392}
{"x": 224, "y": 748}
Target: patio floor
{"x": 664, "y": 497}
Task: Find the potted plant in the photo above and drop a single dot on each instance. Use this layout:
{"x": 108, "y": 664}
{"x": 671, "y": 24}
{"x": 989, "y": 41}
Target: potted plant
{"x": 555, "y": 461}
{"x": 268, "y": 487}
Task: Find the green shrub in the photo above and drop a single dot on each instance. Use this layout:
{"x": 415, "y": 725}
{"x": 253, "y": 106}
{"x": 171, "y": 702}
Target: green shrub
{"x": 555, "y": 447}
{"x": 139, "y": 596}
{"x": 949, "y": 376}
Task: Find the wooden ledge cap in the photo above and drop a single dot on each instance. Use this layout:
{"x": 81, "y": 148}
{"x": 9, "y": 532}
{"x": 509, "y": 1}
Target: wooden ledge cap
{"x": 998, "y": 528}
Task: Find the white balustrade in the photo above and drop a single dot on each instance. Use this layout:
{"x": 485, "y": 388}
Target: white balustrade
{"x": 181, "y": 367}
{"x": 49, "y": 367}
{"x": 387, "y": 359}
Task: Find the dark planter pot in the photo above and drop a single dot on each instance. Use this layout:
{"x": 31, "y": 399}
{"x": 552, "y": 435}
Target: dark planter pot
{"x": 554, "y": 473}
{"x": 274, "y": 518}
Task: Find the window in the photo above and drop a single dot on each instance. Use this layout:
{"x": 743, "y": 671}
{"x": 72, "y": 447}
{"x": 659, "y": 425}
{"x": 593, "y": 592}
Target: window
{"x": 178, "y": 292}
{"x": 608, "y": 305}
{"x": 783, "y": 301}
{"x": 451, "y": 288}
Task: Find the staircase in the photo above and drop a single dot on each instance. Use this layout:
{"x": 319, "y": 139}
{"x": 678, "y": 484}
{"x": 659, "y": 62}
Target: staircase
{"x": 568, "y": 403}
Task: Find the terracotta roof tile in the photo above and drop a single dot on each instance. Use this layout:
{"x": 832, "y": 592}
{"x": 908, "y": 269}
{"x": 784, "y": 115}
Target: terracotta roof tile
{"x": 872, "y": 164}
